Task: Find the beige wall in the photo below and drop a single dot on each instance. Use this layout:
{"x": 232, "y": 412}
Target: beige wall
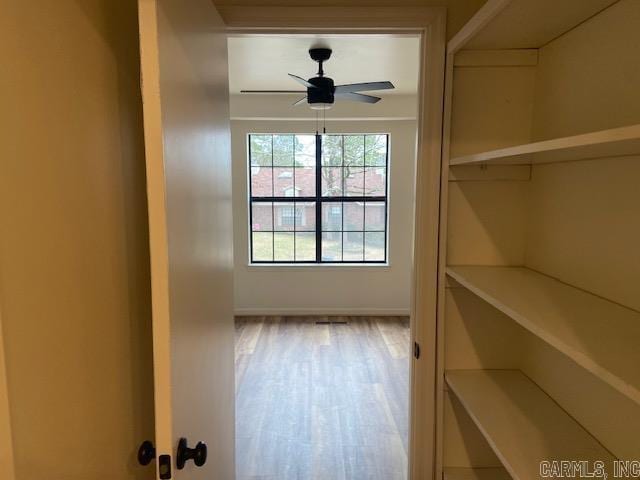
{"x": 329, "y": 289}
{"x": 74, "y": 277}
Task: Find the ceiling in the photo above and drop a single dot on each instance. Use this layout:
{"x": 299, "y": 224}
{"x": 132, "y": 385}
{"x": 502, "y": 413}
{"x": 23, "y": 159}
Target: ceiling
{"x": 262, "y": 62}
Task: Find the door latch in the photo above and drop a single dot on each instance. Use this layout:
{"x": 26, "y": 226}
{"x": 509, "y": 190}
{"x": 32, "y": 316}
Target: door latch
{"x": 164, "y": 467}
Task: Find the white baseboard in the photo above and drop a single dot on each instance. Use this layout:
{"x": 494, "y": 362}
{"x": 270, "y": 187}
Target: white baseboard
{"x": 258, "y": 312}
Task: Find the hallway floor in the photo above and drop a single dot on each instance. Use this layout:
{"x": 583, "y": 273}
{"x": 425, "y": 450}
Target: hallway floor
{"x": 322, "y": 401}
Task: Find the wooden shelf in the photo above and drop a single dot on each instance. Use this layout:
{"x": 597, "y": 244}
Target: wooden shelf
{"x": 599, "y": 335}
{"x": 522, "y": 424}
{"x": 459, "y": 473}
{"x": 602, "y": 144}
{"x": 514, "y": 24}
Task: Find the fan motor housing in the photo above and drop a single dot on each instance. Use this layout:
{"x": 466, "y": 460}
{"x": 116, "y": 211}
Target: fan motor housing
{"x": 320, "y": 54}
{"x": 323, "y": 93}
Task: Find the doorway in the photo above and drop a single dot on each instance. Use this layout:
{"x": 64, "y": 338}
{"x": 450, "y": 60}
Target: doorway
{"x": 189, "y": 200}
{"x": 324, "y": 224}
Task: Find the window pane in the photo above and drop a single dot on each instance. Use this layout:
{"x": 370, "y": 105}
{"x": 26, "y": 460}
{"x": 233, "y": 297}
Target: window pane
{"x": 305, "y": 181}
{"x": 261, "y": 181}
{"x": 283, "y": 150}
{"x": 284, "y": 166}
{"x": 374, "y": 246}
{"x": 332, "y": 247}
{"x": 283, "y": 182}
{"x": 283, "y": 246}
{"x": 331, "y": 182}
{"x": 375, "y": 150}
{"x": 261, "y": 216}
{"x": 353, "y": 246}
{"x": 305, "y": 155}
{"x": 284, "y": 217}
{"x": 353, "y": 182}
{"x": 262, "y": 243}
{"x": 353, "y": 216}
{"x": 260, "y": 150}
{"x": 375, "y": 181}
{"x": 305, "y": 246}
{"x": 332, "y": 150}
{"x": 305, "y": 216}
{"x": 331, "y": 216}
{"x": 374, "y": 216}
{"x": 354, "y": 150}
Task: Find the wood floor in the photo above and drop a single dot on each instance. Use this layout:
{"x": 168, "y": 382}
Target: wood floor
{"x": 322, "y": 401}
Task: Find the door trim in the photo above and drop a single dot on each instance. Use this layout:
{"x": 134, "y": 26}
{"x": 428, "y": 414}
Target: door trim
{"x": 156, "y": 207}
{"x": 429, "y": 23}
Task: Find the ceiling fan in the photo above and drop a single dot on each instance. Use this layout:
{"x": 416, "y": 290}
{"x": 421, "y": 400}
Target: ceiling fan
{"x": 322, "y": 92}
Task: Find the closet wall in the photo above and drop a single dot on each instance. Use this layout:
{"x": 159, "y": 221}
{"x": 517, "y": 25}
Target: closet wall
{"x": 543, "y": 355}
{"x": 74, "y": 247}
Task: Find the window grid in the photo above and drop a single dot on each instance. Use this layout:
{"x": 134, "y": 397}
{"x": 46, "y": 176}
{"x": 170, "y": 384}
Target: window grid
{"x": 342, "y": 203}
{"x": 320, "y": 200}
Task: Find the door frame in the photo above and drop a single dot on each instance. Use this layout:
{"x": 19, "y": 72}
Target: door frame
{"x": 430, "y": 24}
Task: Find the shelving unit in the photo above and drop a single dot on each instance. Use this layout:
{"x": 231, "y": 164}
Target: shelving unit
{"x": 597, "y": 334}
{"x": 609, "y": 143}
{"x": 539, "y": 306}
{"x": 523, "y": 425}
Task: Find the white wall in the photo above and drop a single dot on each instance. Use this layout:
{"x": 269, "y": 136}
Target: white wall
{"x": 329, "y": 289}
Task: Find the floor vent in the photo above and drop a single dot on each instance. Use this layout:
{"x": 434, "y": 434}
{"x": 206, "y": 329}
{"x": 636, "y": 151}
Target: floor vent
{"x": 332, "y": 322}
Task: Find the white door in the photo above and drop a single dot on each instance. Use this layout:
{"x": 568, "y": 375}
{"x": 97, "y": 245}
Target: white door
{"x": 187, "y": 143}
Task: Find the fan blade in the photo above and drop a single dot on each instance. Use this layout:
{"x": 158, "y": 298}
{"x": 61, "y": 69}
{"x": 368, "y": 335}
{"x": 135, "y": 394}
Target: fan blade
{"x": 358, "y": 97}
{"x": 273, "y": 91}
{"x": 301, "y": 101}
{"x": 364, "y": 87}
{"x": 301, "y": 80}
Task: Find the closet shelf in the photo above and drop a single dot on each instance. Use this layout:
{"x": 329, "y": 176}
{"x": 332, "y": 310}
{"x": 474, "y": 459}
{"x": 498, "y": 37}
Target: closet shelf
{"x": 490, "y": 473}
{"x": 513, "y": 24}
{"x": 601, "y": 336}
{"x": 602, "y": 144}
{"x": 522, "y": 424}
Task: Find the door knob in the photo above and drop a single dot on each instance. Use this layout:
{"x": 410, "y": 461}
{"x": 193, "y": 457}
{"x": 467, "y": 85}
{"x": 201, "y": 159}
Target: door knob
{"x": 146, "y": 453}
{"x": 197, "y": 454}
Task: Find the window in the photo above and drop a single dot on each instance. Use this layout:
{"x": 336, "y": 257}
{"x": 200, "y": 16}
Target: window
{"x": 318, "y": 198}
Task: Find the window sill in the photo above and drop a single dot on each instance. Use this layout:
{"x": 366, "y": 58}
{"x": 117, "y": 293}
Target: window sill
{"x": 319, "y": 265}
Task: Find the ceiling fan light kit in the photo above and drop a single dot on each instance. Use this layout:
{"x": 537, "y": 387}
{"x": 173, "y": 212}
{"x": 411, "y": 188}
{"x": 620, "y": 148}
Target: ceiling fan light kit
{"x": 322, "y": 91}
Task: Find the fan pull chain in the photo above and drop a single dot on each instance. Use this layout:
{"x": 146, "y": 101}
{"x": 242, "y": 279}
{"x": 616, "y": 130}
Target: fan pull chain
{"x": 324, "y": 121}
